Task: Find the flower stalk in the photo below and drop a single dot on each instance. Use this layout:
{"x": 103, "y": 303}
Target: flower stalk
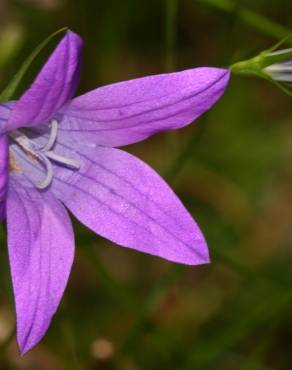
{"x": 271, "y": 64}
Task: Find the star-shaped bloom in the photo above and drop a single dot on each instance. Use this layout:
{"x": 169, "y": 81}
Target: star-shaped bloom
{"x": 58, "y": 152}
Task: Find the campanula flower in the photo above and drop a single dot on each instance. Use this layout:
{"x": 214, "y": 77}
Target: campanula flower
{"x": 58, "y": 152}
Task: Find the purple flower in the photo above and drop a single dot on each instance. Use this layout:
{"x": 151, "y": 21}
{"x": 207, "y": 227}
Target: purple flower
{"x": 59, "y": 152}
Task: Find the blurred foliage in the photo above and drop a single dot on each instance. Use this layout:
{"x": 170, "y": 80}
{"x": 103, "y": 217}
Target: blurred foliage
{"x": 232, "y": 169}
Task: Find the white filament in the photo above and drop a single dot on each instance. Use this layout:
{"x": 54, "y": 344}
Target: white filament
{"x": 49, "y": 176}
{"x": 74, "y": 163}
{"x": 53, "y": 136}
{"x": 22, "y": 141}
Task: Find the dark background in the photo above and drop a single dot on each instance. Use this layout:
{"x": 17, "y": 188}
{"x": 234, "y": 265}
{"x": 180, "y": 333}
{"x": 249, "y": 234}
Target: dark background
{"x": 232, "y": 169}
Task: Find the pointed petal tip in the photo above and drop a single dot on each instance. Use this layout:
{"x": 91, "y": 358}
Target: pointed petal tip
{"x": 190, "y": 261}
{"x": 227, "y": 76}
{"x": 200, "y": 255}
{"x": 24, "y": 348}
{"x": 73, "y": 36}
{"x": 25, "y": 342}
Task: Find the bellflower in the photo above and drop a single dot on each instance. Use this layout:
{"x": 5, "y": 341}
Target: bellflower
{"x": 58, "y": 152}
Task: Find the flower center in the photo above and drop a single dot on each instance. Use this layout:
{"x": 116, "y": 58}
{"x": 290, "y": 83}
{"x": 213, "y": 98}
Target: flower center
{"x": 44, "y": 154}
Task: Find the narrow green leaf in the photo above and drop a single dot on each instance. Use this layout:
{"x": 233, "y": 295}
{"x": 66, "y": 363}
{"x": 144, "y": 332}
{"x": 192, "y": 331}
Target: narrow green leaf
{"x": 8, "y": 92}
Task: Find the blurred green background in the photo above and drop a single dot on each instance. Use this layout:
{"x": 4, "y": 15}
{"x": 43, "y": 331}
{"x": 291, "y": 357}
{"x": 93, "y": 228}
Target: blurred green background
{"x": 232, "y": 169}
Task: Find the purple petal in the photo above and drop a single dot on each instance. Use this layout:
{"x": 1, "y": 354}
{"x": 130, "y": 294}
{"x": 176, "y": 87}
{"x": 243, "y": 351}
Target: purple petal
{"x": 128, "y": 112}
{"x": 5, "y": 110}
{"x": 53, "y": 87}
{"x": 4, "y": 113}
{"x": 41, "y": 249}
{"x": 124, "y": 200}
{"x": 3, "y": 173}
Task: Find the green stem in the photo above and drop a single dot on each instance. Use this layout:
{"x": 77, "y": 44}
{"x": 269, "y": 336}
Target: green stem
{"x": 250, "y": 17}
{"x": 170, "y": 33}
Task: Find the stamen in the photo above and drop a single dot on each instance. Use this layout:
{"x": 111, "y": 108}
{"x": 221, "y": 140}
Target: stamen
{"x": 22, "y": 141}
{"x": 50, "y": 173}
{"x": 52, "y": 138}
{"x": 44, "y": 154}
{"x": 74, "y": 163}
